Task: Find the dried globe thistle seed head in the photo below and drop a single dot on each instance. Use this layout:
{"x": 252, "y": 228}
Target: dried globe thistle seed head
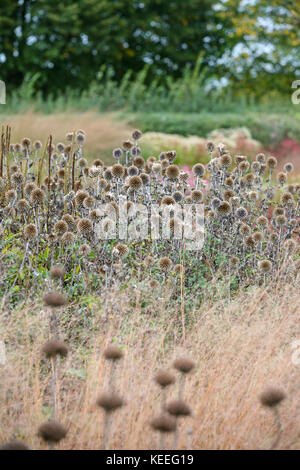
{"x": 178, "y": 408}
{"x": 149, "y": 261}
{"x": 60, "y": 147}
{"x": 281, "y": 220}
{"x": 271, "y": 162}
{"x": 224, "y": 208}
{"x": 89, "y": 202}
{"x": 29, "y": 187}
{"x": 154, "y": 284}
{"x": 17, "y": 178}
{"x": 261, "y": 158}
{"x": 60, "y": 227}
{"x": 265, "y": 266}
{"x": 118, "y": 170}
{"x": 172, "y": 172}
{"x": 225, "y": 160}
{"x": 288, "y": 167}
{"x": 257, "y": 237}
{"x": 281, "y": 177}
{"x": 229, "y": 181}
{"x": 164, "y": 378}
{"x": 178, "y": 269}
{"x": 15, "y": 444}
{"x": 127, "y": 144}
{"x": 135, "y": 183}
{"x": 272, "y": 396}
{"x": 198, "y": 170}
{"x": 249, "y": 242}
{"x": 68, "y": 238}
{"x": 135, "y": 151}
{"x": 113, "y": 353}
{"x": 252, "y": 195}
{"x": 286, "y": 198}
{"x": 54, "y": 299}
{"x": 197, "y": 195}
{"x": 241, "y": 213}
{"x": 255, "y": 167}
{"x": 26, "y": 142}
{"x": 80, "y": 138}
{"x": 177, "y": 196}
{"x": 52, "y": 432}
{"x": 215, "y": 202}
{"x": 117, "y": 153}
{"x": 184, "y": 364}
{"x": 37, "y": 196}
{"x": 165, "y": 264}
{"x": 228, "y": 194}
{"x": 164, "y": 423}
{"x": 145, "y": 179}
{"x": 262, "y": 221}
{"x": 82, "y": 163}
{"x": 244, "y": 166}
{"x": 54, "y": 348}
{"x": 132, "y": 170}
{"x": 57, "y": 272}
{"x": 30, "y": 232}
{"x": 136, "y": 134}
{"x": 84, "y": 250}
{"x": 69, "y": 219}
{"x": 84, "y": 226}
{"x": 80, "y": 197}
{"x": 139, "y": 162}
{"x": 110, "y": 402}
{"x": 167, "y": 201}
{"x": 290, "y": 245}
{"x": 22, "y": 206}
{"x": 210, "y": 146}
{"x": 122, "y": 249}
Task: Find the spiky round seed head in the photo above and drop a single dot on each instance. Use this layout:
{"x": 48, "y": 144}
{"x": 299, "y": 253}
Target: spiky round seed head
{"x": 286, "y": 198}
{"x": 57, "y": 272}
{"x": 172, "y": 172}
{"x": 164, "y": 378}
{"x": 89, "y": 202}
{"x": 249, "y": 242}
{"x": 290, "y": 245}
{"x": 178, "y": 269}
{"x": 262, "y": 221}
{"x": 271, "y": 162}
{"x": 177, "y": 196}
{"x": 183, "y": 364}
{"x": 135, "y": 151}
{"x": 118, "y": 170}
{"x": 229, "y": 181}
{"x": 52, "y": 432}
{"x": 135, "y": 183}
{"x": 198, "y": 170}
{"x": 225, "y": 160}
{"x": 80, "y": 197}
{"x": 178, "y": 408}
{"x": 288, "y": 167}
{"x": 18, "y": 178}
{"x": 84, "y": 226}
{"x": 154, "y": 284}
{"x": 132, "y": 170}
{"x": 265, "y": 266}
{"x": 136, "y": 134}
{"x": 14, "y": 445}
{"x": 54, "y": 299}
{"x": 26, "y": 142}
{"x": 261, "y": 158}
{"x": 145, "y": 179}
{"x": 165, "y": 264}
{"x": 243, "y": 166}
{"x": 164, "y": 423}
{"x": 37, "y": 196}
{"x": 241, "y": 213}
{"x": 60, "y": 147}
{"x": 30, "y": 232}
{"x": 127, "y": 144}
{"x": 167, "y": 201}
{"x": 210, "y": 146}
{"x": 281, "y": 220}
{"x": 54, "y": 348}
{"x": 281, "y": 177}
{"x": 257, "y": 237}
{"x": 139, "y": 162}
{"x": 149, "y": 261}
{"x": 84, "y": 250}
{"x": 22, "y": 206}
{"x": 122, "y": 249}
{"x": 228, "y": 194}
{"x": 110, "y": 402}
{"x": 61, "y": 227}
{"x": 197, "y": 195}
{"x": 224, "y": 208}
{"x": 80, "y": 138}
{"x": 113, "y": 353}
{"x": 255, "y": 167}
{"x": 68, "y": 238}
{"x": 272, "y": 396}
{"x": 252, "y": 195}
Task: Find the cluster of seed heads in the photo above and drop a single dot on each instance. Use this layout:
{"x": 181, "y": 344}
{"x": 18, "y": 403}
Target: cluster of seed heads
{"x": 51, "y": 200}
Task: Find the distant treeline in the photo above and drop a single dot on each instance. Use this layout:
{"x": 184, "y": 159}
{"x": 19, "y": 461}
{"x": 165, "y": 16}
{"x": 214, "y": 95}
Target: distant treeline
{"x": 250, "y": 45}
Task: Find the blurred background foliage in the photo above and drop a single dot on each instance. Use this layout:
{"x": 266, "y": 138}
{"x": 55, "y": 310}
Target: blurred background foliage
{"x": 184, "y": 67}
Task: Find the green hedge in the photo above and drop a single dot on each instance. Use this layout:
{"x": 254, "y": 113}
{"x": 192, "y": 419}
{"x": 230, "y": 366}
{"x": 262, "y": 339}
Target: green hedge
{"x": 269, "y": 129}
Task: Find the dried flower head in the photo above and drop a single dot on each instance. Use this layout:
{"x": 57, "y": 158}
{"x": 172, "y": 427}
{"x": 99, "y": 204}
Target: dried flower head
{"x": 178, "y": 408}
{"x": 164, "y": 423}
{"x": 110, "y": 402}
{"x": 113, "y": 353}
{"x": 52, "y": 432}
{"x": 54, "y": 348}
{"x": 272, "y": 396}
{"x": 184, "y": 364}
{"x": 54, "y": 299}
{"x": 164, "y": 378}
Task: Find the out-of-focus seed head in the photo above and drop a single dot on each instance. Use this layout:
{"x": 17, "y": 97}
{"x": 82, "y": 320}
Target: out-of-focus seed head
{"x": 184, "y": 364}
{"x": 54, "y": 348}
{"x": 52, "y": 432}
{"x": 54, "y": 299}
{"x": 272, "y": 396}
